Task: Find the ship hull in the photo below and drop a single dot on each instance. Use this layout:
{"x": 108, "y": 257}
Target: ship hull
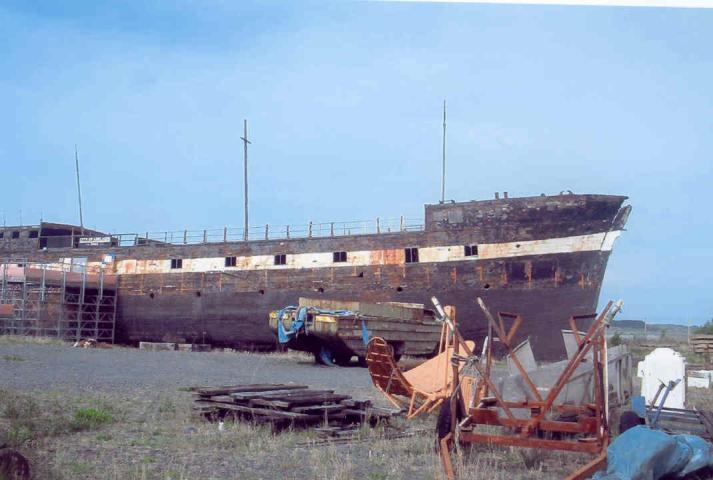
{"x": 223, "y": 316}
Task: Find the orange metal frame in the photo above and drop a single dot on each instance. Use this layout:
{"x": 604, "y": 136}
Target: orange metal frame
{"x": 591, "y": 425}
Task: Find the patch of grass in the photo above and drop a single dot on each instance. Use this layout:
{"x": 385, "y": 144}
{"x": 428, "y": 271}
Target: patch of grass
{"x": 28, "y": 419}
{"x": 78, "y": 468}
{"x": 24, "y": 340}
{"x": 167, "y": 406}
{"x": 90, "y": 418}
{"x": 378, "y": 476}
{"x": 104, "y": 437}
{"x": 13, "y": 358}
{"x": 154, "y": 440}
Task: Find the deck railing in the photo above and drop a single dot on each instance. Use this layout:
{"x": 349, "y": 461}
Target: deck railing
{"x": 229, "y": 234}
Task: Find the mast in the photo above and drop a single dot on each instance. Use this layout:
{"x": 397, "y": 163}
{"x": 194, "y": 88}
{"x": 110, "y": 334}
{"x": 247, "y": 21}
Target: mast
{"x": 79, "y": 189}
{"x": 245, "y": 140}
{"x": 443, "y": 173}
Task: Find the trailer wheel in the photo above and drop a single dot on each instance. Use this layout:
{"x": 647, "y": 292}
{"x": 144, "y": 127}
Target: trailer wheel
{"x": 324, "y": 356}
{"x": 443, "y": 424}
{"x": 343, "y": 359}
{"x": 398, "y": 349}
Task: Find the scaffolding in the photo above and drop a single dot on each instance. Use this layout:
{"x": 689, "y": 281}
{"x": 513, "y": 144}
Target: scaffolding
{"x": 66, "y": 301}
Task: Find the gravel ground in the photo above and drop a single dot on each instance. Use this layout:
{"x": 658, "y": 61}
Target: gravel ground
{"x": 153, "y": 433}
{"x": 58, "y": 366}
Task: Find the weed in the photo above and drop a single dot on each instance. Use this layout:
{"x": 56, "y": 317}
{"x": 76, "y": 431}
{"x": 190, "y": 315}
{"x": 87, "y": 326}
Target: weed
{"x": 167, "y": 406}
{"x": 89, "y": 418}
{"x": 13, "y": 358}
{"x": 28, "y": 420}
{"x": 78, "y": 468}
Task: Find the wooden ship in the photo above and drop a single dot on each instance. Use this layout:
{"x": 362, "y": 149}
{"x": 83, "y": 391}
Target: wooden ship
{"x": 544, "y": 255}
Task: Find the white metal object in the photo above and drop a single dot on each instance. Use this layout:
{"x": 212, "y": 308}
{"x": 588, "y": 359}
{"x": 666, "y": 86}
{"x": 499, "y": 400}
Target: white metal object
{"x": 663, "y": 365}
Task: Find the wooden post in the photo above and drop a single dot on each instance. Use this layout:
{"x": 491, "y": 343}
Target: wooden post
{"x": 245, "y": 140}
{"x": 225, "y": 234}
{"x": 309, "y": 232}
{"x": 287, "y": 230}
{"x": 331, "y": 229}
{"x": 185, "y": 237}
{"x": 401, "y": 223}
{"x": 267, "y": 232}
{"x": 446, "y": 442}
{"x": 378, "y": 226}
{"x": 205, "y": 236}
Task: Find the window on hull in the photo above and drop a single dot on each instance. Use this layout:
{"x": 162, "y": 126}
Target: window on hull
{"x": 411, "y": 254}
{"x": 281, "y": 259}
{"x": 231, "y": 261}
{"x": 339, "y": 257}
{"x": 176, "y": 263}
{"x": 471, "y": 250}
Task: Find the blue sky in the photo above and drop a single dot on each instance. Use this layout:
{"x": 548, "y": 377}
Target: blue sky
{"x": 344, "y": 104}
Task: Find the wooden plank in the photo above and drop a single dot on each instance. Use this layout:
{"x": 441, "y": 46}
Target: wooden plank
{"x": 359, "y": 404}
{"x": 291, "y": 402}
{"x": 395, "y": 310}
{"x": 318, "y": 408}
{"x": 278, "y": 395}
{"x": 218, "y": 398}
{"x": 255, "y": 411}
{"x": 228, "y": 389}
{"x": 707, "y": 420}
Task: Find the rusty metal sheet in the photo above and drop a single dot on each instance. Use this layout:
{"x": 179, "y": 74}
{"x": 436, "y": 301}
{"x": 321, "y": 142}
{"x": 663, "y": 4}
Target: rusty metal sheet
{"x": 6, "y": 310}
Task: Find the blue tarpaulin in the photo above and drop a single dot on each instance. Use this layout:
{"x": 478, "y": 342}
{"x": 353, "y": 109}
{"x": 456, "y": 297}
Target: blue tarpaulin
{"x": 641, "y": 453}
{"x": 365, "y": 333}
{"x": 284, "y": 335}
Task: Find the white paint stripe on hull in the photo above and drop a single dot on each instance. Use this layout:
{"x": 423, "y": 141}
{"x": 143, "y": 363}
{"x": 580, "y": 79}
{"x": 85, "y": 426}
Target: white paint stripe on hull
{"x": 581, "y": 243}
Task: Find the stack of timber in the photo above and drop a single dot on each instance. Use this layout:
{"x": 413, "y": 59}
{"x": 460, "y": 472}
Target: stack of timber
{"x": 702, "y": 344}
{"x": 284, "y": 405}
